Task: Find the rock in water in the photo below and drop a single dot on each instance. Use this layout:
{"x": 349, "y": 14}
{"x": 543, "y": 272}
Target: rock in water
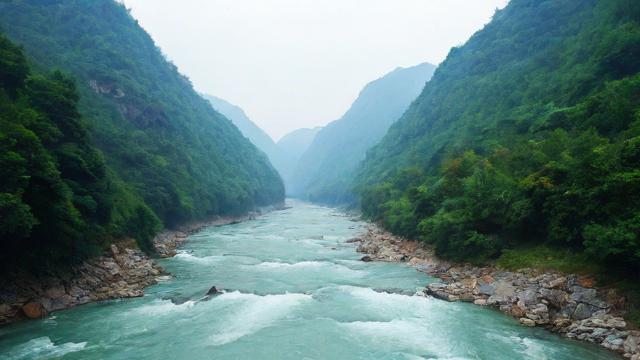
{"x": 213, "y": 291}
{"x": 177, "y": 300}
{"x": 366, "y": 258}
{"x": 33, "y": 310}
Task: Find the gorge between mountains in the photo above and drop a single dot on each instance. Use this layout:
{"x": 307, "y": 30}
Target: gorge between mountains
{"x": 481, "y": 204}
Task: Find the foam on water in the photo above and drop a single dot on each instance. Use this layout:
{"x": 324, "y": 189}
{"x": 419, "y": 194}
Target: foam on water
{"x": 272, "y": 237}
{"x": 161, "y": 307}
{"x": 325, "y": 267}
{"x": 397, "y": 306}
{"x": 311, "y": 242}
{"x": 533, "y": 349}
{"x": 254, "y": 313}
{"x": 528, "y": 347}
{"x": 401, "y": 335}
{"x": 206, "y": 260}
{"x": 42, "y": 348}
{"x": 299, "y": 265}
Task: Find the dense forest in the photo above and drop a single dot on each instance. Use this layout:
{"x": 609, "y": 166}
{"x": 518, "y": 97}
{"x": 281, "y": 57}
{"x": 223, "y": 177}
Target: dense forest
{"x": 325, "y": 171}
{"x": 528, "y": 134}
{"x": 56, "y": 196}
{"x": 113, "y": 143}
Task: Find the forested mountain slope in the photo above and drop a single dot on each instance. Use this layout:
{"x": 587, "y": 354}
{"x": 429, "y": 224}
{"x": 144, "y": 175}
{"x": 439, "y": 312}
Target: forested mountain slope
{"x": 527, "y": 134}
{"x": 174, "y": 157}
{"x": 325, "y": 172}
{"x": 293, "y": 145}
{"x": 251, "y": 131}
{"x": 56, "y": 195}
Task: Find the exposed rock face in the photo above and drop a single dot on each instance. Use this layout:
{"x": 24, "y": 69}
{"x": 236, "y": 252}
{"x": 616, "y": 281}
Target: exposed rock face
{"x": 167, "y": 242}
{"x": 567, "y": 304}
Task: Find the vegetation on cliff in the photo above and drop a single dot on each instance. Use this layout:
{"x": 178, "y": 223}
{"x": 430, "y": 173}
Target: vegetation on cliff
{"x": 57, "y": 197}
{"x": 529, "y": 134}
{"x": 120, "y": 145}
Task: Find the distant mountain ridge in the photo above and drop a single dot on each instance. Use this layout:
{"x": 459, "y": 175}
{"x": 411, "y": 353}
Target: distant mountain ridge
{"x": 325, "y": 171}
{"x": 284, "y": 154}
{"x": 294, "y": 145}
{"x": 298, "y": 141}
{"x": 250, "y": 130}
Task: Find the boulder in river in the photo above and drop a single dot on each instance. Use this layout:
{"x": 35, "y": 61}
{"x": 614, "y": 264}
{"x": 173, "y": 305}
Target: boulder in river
{"x": 213, "y": 291}
{"x": 366, "y": 258}
{"x": 177, "y": 300}
{"x": 33, "y": 310}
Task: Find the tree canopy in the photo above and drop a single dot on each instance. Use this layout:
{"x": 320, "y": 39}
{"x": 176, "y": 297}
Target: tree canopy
{"x": 528, "y": 133}
{"x": 115, "y": 143}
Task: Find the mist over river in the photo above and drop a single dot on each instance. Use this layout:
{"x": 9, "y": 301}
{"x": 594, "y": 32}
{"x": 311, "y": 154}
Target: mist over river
{"x": 295, "y": 290}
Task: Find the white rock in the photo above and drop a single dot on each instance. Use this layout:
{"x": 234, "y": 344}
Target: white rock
{"x": 631, "y": 344}
{"x": 527, "y": 322}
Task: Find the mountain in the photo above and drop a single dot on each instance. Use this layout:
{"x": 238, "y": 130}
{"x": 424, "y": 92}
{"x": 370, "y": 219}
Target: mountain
{"x": 54, "y": 185}
{"x": 528, "y": 134}
{"x": 293, "y": 145}
{"x": 172, "y": 157}
{"x": 284, "y": 155}
{"x": 298, "y": 141}
{"x": 251, "y": 131}
{"x": 326, "y": 170}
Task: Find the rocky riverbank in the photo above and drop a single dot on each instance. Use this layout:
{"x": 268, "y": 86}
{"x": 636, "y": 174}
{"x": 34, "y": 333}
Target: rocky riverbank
{"x": 121, "y": 272}
{"x": 567, "y": 304}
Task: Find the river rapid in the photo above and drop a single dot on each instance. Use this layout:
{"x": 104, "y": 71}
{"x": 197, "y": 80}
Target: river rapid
{"x": 294, "y": 290}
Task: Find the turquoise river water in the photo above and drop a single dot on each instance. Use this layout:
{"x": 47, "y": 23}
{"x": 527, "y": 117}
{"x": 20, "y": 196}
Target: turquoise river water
{"x": 296, "y": 290}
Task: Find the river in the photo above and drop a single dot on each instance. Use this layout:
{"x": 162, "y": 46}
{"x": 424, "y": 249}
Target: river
{"x": 295, "y": 290}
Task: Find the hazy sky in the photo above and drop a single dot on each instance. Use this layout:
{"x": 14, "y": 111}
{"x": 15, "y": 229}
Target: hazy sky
{"x": 301, "y": 63}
